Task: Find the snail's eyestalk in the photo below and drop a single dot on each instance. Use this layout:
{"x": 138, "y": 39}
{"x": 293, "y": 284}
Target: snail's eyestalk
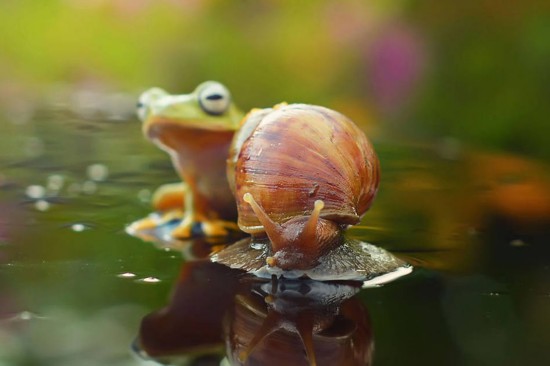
{"x": 299, "y": 242}
{"x": 271, "y": 324}
{"x": 310, "y": 229}
{"x": 304, "y": 326}
{"x": 273, "y": 230}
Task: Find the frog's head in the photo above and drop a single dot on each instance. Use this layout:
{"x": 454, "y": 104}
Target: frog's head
{"x": 208, "y": 107}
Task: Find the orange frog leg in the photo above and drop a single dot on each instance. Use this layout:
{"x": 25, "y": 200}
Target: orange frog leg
{"x": 170, "y": 196}
{"x": 196, "y": 211}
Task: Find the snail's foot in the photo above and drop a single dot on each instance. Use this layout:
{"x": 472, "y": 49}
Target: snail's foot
{"x": 195, "y": 225}
{"x": 154, "y": 220}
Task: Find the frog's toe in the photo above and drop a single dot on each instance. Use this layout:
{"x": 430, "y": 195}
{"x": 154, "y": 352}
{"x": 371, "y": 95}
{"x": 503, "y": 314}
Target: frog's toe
{"x": 184, "y": 230}
{"x": 209, "y": 228}
{"x": 218, "y": 228}
{"x": 153, "y": 221}
{"x": 148, "y": 223}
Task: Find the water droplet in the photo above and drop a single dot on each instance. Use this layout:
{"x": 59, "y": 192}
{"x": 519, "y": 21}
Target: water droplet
{"x": 78, "y": 227}
{"x": 518, "y": 243}
{"x": 257, "y": 246}
{"x": 35, "y": 191}
{"x": 493, "y": 294}
{"x": 42, "y": 205}
{"x": 149, "y": 280}
{"x": 98, "y": 172}
{"x": 25, "y": 315}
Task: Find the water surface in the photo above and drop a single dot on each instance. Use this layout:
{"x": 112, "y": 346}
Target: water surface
{"x": 75, "y": 289}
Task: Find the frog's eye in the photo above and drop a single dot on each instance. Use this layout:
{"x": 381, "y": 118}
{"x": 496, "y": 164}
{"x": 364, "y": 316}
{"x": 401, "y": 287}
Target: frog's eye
{"x": 214, "y": 98}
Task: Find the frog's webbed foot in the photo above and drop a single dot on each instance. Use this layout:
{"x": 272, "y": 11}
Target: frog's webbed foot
{"x": 219, "y": 227}
{"x": 154, "y": 220}
{"x": 168, "y": 201}
{"x": 192, "y": 224}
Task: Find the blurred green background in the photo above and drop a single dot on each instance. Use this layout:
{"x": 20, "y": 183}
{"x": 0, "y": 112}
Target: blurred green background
{"x": 477, "y": 71}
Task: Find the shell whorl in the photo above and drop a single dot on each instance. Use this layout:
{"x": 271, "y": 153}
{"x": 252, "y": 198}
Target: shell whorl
{"x": 290, "y": 156}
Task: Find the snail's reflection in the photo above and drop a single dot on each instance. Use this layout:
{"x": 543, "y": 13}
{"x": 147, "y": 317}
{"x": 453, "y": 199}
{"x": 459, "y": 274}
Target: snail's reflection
{"x": 300, "y": 322}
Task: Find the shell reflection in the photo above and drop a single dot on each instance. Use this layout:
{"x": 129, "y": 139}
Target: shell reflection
{"x": 299, "y": 323}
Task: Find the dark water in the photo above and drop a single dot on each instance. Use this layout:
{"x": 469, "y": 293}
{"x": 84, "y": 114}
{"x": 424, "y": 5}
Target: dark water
{"x": 75, "y": 289}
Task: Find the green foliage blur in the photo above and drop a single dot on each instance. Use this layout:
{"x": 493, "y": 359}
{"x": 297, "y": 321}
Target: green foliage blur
{"x": 475, "y": 70}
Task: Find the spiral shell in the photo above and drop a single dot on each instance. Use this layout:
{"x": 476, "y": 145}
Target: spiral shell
{"x": 290, "y": 156}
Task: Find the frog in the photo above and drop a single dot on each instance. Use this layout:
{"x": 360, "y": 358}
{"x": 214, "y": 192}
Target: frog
{"x": 196, "y": 131}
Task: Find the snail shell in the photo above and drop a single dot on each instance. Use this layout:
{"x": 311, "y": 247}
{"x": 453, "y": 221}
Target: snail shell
{"x": 301, "y": 174}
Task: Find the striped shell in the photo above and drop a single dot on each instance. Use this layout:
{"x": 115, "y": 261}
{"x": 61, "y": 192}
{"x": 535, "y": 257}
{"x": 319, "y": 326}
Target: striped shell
{"x": 289, "y": 156}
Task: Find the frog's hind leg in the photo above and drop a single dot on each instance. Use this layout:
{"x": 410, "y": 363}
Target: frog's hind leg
{"x": 199, "y": 216}
{"x": 170, "y": 196}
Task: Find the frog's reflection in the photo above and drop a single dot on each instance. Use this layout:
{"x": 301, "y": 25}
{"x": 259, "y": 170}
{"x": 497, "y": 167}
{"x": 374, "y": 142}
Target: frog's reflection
{"x": 192, "y": 322}
{"x": 300, "y": 322}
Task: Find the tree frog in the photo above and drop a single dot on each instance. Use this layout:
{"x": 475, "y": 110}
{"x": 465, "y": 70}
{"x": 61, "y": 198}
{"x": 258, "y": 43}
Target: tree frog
{"x": 196, "y": 130}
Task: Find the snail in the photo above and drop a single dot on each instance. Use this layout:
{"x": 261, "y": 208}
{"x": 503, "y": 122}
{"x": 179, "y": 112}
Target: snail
{"x": 301, "y": 174}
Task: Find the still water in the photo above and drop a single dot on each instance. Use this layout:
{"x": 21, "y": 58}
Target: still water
{"x": 75, "y": 289}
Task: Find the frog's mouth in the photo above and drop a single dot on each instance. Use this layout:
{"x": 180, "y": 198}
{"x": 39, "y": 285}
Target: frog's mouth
{"x": 181, "y": 135}
{"x": 158, "y": 123}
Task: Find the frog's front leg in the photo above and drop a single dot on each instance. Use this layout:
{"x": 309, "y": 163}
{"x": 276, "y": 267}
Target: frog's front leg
{"x": 197, "y": 212}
